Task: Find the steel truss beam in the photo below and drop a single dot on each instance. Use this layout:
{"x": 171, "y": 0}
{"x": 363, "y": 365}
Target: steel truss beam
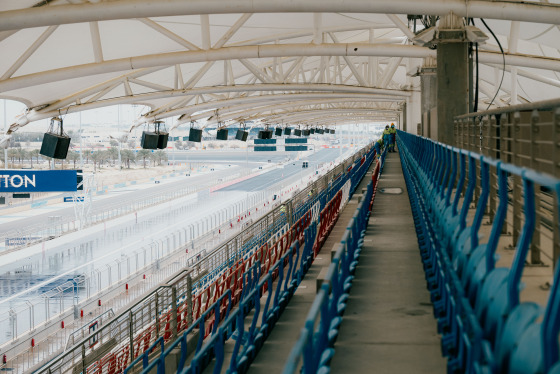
{"x": 52, "y": 110}
{"x": 243, "y": 111}
{"x": 187, "y": 111}
{"x": 127, "y": 9}
{"x": 259, "y": 51}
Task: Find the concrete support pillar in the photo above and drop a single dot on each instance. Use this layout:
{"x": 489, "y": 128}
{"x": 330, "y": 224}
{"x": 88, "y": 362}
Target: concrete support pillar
{"x": 413, "y": 112}
{"x": 403, "y": 120}
{"x": 428, "y": 87}
{"x": 452, "y": 75}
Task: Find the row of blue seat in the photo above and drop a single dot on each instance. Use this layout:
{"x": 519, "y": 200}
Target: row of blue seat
{"x": 484, "y": 326}
{"x": 248, "y": 342}
{"x": 314, "y": 349}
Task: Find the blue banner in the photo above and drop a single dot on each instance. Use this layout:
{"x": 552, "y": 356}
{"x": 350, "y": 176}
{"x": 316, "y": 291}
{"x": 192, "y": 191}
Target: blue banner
{"x": 14, "y": 180}
{"x": 265, "y": 141}
{"x": 295, "y": 140}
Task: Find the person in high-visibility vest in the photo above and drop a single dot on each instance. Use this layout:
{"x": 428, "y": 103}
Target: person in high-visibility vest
{"x": 387, "y": 138}
{"x": 393, "y": 138}
{"x": 379, "y": 147}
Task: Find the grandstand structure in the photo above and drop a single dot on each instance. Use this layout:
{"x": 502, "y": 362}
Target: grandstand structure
{"x": 439, "y": 257}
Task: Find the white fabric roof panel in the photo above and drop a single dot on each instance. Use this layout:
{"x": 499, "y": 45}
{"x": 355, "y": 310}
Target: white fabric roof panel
{"x": 96, "y": 61}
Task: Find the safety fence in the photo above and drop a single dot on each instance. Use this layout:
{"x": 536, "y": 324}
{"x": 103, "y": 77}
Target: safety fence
{"x": 314, "y": 349}
{"x": 285, "y": 262}
{"x": 61, "y": 300}
{"x": 525, "y": 135}
{"x": 485, "y": 327}
{"x": 61, "y": 224}
{"x": 160, "y": 308}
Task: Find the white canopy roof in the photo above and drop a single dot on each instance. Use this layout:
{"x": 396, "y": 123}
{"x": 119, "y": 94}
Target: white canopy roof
{"x": 307, "y": 61}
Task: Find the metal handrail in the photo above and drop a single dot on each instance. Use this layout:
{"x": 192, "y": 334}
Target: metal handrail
{"x": 537, "y": 105}
{"x": 177, "y": 278}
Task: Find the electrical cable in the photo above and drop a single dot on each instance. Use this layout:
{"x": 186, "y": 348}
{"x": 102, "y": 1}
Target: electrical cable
{"x": 503, "y": 60}
{"x": 475, "y": 108}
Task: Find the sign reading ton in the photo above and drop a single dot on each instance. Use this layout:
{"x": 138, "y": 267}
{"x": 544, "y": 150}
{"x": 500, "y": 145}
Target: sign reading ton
{"x": 14, "y": 180}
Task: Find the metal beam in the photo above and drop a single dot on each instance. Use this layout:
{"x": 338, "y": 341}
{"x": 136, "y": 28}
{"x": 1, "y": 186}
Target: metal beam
{"x": 355, "y": 71}
{"x": 317, "y": 28}
{"x": 96, "y": 88}
{"x": 248, "y": 110}
{"x": 275, "y": 98}
{"x": 205, "y": 30}
{"x": 401, "y": 26}
{"x": 261, "y": 75}
{"x": 232, "y": 30}
{"x": 261, "y": 51}
{"x": 96, "y": 41}
{"x": 178, "y": 77}
{"x": 326, "y": 117}
{"x": 291, "y": 114}
{"x": 127, "y": 88}
{"x": 389, "y": 71}
{"x": 51, "y": 110}
{"x": 314, "y": 115}
{"x": 302, "y": 34}
{"x": 32, "y": 48}
{"x": 154, "y": 86}
{"x": 127, "y": 9}
{"x": 171, "y": 35}
{"x": 513, "y": 41}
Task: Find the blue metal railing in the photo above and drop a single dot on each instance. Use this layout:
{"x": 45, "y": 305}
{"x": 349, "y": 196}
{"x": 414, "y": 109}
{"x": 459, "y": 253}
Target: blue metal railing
{"x": 288, "y": 273}
{"x": 315, "y": 347}
{"x": 485, "y": 327}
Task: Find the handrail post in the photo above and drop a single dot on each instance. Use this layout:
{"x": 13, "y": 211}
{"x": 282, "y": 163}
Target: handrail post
{"x": 189, "y": 301}
{"x": 174, "y": 312}
{"x": 156, "y": 313}
{"x": 131, "y": 335}
{"x": 536, "y": 240}
{"x": 556, "y": 169}
{"x": 516, "y": 130}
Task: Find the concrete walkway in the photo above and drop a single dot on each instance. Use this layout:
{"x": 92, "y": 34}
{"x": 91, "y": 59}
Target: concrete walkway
{"x": 388, "y": 326}
{"x": 277, "y": 348}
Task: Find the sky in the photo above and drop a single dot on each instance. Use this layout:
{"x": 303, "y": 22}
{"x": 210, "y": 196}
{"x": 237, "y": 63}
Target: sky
{"x": 122, "y": 115}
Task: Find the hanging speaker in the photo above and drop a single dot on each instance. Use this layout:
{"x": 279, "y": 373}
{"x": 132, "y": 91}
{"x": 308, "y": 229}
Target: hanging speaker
{"x": 287, "y": 131}
{"x": 265, "y": 134}
{"x": 332, "y": 131}
{"x": 306, "y": 132}
{"x": 149, "y": 140}
{"x": 319, "y": 131}
{"x": 162, "y": 140}
{"x": 241, "y": 135}
{"x": 195, "y": 135}
{"x": 55, "y": 146}
{"x": 312, "y": 131}
{"x": 278, "y": 131}
{"x": 297, "y": 132}
{"x": 222, "y": 134}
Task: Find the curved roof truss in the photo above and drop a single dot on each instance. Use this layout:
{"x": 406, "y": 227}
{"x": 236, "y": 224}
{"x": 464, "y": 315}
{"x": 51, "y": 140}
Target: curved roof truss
{"x": 246, "y": 59}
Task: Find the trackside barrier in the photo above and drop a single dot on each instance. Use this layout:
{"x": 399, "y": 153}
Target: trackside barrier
{"x": 285, "y": 262}
{"x": 170, "y": 310}
{"x": 485, "y": 327}
{"x": 314, "y": 349}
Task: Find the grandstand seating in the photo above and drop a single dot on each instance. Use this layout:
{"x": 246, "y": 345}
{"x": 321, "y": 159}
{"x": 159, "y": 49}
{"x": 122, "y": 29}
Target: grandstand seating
{"x": 232, "y": 297}
{"x": 484, "y": 326}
